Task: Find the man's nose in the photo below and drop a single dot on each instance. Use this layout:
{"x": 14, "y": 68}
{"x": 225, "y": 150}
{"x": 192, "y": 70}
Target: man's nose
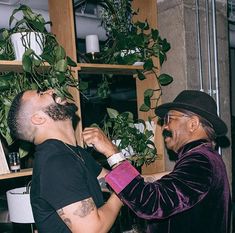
{"x": 49, "y": 92}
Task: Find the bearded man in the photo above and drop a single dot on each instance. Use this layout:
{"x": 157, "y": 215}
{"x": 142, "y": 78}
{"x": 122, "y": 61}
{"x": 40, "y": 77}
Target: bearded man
{"x": 65, "y": 193}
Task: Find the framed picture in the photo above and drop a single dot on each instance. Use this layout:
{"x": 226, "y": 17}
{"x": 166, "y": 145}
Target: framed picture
{"x": 3, "y": 162}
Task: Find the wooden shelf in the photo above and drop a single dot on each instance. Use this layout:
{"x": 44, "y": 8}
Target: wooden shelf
{"x": 21, "y": 173}
{"x": 90, "y": 68}
{"x": 16, "y": 66}
{"x": 83, "y": 68}
{"x": 10, "y": 66}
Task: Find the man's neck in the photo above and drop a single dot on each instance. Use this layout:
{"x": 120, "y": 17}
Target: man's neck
{"x": 62, "y": 131}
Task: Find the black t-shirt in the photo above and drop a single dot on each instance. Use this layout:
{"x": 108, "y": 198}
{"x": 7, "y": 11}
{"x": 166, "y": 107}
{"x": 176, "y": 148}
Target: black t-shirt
{"x": 60, "y": 178}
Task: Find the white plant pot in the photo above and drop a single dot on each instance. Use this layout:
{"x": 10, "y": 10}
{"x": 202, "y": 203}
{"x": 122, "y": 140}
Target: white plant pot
{"x": 19, "y": 207}
{"x": 21, "y": 41}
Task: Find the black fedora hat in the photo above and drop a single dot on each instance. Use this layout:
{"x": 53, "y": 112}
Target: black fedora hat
{"x": 198, "y": 102}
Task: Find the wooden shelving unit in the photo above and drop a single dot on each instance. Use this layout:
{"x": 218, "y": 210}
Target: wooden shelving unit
{"x": 62, "y": 16}
{"x": 21, "y": 173}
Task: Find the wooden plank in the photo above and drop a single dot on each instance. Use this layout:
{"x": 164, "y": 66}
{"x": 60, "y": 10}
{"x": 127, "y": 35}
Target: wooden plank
{"x": 10, "y": 66}
{"x": 21, "y": 173}
{"x": 16, "y": 66}
{"x": 63, "y": 26}
{"x": 148, "y": 10}
{"x": 107, "y": 69}
{"x": 84, "y": 68}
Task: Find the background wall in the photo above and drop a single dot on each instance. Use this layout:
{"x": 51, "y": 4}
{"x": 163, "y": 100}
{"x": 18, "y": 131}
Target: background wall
{"x": 188, "y": 60}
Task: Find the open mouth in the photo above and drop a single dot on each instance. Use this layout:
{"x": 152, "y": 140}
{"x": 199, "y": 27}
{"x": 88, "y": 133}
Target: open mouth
{"x": 58, "y": 99}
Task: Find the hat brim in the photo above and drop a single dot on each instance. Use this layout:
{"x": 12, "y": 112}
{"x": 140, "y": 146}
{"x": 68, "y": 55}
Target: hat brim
{"x": 218, "y": 125}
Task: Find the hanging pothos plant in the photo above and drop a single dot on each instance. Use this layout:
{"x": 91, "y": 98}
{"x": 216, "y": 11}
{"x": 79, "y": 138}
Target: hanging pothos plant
{"x": 130, "y": 42}
{"x": 133, "y": 137}
{"x": 51, "y": 69}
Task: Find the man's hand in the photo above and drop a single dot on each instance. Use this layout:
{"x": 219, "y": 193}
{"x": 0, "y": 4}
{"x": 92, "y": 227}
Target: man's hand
{"x": 96, "y": 137}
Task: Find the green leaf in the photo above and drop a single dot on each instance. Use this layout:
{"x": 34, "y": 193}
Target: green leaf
{"x": 148, "y": 65}
{"x": 83, "y": 85}
{"x": 71, "y": 62}
{"x": 144, "y": 108}
{"x": 141, "y": 76}
{"x": 165, "y": 79}
{"x": 4, "y": 85}
{"x": 28, "y": 52}
{"x": 60, "y": 53}
{"x": 113, "y": 113}
{"x": 147, "y": 101}
{"x": 155, "y": 34}
{"x": 165, "y": 46}
{"x": 37, "y": 62}
{"x": 27, "y": 63}
{"x": 161, "y": 58}
{"x": 61, "y": 65}
{"x": 148, "y": 93}
{"x": 60, "y": 78}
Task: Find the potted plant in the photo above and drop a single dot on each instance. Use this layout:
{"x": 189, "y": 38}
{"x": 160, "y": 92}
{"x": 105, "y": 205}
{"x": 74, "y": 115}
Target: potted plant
{"x": 51, "y": 69}
{"x": 133, "y": 137}
{"x": 131, "y": 42}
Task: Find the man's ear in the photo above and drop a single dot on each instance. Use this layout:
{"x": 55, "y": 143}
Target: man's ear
{"x": 194, "y": 123}
{"x": 38, "y": 118}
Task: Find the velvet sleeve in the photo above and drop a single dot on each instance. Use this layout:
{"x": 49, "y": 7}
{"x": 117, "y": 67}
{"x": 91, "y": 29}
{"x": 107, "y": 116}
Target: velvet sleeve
{"x": 176, "y": 192}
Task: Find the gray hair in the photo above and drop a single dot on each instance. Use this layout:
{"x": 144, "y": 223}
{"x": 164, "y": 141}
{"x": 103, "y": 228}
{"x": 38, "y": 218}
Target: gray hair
{"x": 207, "y": 126}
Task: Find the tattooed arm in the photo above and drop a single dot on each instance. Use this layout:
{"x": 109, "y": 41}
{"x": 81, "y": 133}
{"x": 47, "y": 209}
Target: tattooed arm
{"x": 78, "y": 216}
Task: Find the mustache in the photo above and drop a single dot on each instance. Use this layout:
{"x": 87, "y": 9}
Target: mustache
{"x": 166, "y": 133}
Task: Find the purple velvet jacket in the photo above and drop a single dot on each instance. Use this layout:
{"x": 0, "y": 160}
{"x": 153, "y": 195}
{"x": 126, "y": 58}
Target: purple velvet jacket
{"x": 193, "y": 198}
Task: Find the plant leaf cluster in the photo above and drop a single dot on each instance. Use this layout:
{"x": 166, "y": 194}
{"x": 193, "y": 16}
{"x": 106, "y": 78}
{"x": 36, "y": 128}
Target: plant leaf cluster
{"x": 131, "y": 41}
{"x": 123, "y": 127}
{"x": 51, "y": 69}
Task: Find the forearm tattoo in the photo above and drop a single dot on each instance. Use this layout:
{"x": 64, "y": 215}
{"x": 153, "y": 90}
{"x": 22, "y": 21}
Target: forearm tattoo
{"x": 85, "y": 208}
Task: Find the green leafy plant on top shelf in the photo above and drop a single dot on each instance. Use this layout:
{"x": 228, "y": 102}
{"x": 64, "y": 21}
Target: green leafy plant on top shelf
{"x": 51, "y": 69}
{"x": 134, "y": 138}
{"x": 132, "y": 42}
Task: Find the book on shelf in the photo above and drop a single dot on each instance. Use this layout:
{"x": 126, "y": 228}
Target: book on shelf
{"x": 3, "y": 162}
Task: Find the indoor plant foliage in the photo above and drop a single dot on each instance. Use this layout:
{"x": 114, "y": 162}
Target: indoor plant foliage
{"x": 51, "y": 69}
{"x": 59, "y": 74}
{"x": 122, "y": 129}
{"x": 131, "y": 42}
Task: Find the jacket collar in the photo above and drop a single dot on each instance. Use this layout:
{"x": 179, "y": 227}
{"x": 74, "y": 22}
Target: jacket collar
{"x": 190, "y": 146}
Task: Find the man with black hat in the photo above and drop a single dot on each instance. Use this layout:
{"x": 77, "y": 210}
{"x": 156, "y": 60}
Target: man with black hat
{"x": 195, "y": 196}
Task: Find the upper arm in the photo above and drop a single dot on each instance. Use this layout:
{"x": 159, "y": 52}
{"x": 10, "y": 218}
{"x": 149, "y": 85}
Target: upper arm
{"x": 79, "y": 215}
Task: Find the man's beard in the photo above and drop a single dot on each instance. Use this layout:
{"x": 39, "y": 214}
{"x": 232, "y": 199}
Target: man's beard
{"x": 59, "y": 112}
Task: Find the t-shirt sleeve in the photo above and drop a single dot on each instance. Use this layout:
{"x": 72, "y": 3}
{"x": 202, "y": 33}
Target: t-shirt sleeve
{"x": 64, "y": 181}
